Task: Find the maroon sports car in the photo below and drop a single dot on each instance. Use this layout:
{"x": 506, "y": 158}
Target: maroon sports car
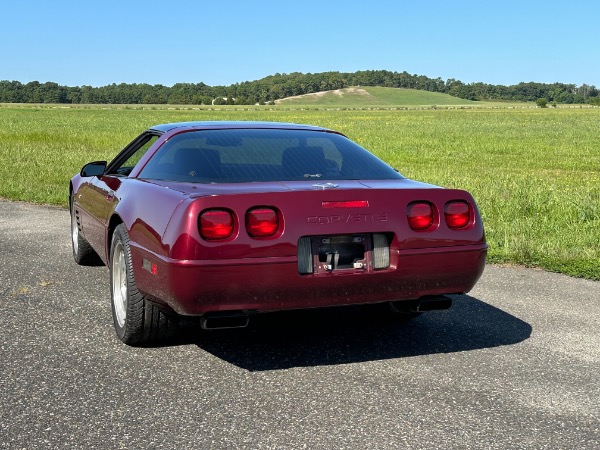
{"x": 224, "y": 219}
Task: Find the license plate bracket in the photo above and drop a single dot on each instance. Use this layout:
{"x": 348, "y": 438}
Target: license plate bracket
{"x": 343, "y": 253}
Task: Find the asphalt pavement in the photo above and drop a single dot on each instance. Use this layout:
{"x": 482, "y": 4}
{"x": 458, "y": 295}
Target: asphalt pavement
{"x": 515, "y": 364}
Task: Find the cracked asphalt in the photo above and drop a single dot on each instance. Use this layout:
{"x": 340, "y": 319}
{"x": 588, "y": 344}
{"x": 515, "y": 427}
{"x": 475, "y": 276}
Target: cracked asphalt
{"x": 514, "y": 364}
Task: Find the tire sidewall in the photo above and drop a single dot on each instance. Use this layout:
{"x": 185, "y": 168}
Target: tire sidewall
{"x": 120, "y": 235}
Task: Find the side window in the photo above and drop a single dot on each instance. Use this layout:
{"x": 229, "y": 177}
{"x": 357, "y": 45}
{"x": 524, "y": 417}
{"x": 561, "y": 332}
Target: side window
{"x": 127, "y": 166}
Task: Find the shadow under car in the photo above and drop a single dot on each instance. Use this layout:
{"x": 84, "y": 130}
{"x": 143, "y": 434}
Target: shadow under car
{"x": 351, "y": 334}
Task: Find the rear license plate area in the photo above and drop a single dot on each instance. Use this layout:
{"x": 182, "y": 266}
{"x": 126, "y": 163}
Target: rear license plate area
{"x": 343, "y": 253}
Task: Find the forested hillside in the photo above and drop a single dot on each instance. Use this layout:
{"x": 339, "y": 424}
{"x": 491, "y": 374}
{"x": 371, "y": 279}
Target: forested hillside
{"x": 279, "y": 86}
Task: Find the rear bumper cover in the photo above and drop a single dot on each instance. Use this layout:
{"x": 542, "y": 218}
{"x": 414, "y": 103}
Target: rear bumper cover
{"x": 196, "y": 287}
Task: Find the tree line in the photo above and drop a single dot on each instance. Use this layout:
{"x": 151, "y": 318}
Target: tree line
{"x": 279, "y": 86}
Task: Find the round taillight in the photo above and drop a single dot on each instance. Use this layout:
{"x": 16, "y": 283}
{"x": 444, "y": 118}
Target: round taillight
{"x": 216, "y": 224}
{"x": 420, "y": 215}
{"x": 262, "y": 222}
{"x": 457, "y": 214}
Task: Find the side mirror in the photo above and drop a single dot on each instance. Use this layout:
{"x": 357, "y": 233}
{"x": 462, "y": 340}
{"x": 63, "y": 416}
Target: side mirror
{"x": 93, "y": 169}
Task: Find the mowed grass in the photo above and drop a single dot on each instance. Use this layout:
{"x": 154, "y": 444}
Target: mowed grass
{"x": 534, "y": 172}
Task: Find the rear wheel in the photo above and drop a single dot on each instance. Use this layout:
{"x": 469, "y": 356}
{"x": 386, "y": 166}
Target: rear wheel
{"x": 137, "y": 320}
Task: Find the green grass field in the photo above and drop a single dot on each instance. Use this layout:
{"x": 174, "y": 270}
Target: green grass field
{"x": 534, "y": 172}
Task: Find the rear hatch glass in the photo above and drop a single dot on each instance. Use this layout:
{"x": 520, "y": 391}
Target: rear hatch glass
{"x": 247, "y": 155}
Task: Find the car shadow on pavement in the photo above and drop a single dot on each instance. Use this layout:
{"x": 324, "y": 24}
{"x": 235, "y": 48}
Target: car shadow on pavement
{"x": 345, "y": 335}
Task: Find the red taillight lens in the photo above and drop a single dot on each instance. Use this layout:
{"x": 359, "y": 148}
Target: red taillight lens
{"x": 457, "y": 214}
{"x": 420, "y": 215}
{"x": 262, "y": 222}
{"x": 216, "y": 224}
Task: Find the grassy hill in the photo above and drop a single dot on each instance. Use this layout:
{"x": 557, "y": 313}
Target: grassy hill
{"x": 360, "y": 97}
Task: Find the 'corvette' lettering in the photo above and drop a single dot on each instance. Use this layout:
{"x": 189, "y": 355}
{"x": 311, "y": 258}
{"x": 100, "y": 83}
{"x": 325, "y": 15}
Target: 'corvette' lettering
{"x": 350, "y": 218}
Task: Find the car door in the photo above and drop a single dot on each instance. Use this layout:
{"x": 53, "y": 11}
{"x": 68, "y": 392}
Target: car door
{"x": 99, "y": 196}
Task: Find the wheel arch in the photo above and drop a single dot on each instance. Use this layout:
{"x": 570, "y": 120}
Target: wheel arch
{"x": 114, "y": 222}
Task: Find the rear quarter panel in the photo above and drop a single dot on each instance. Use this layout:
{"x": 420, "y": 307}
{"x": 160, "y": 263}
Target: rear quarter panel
{"x": 146, "y": 210}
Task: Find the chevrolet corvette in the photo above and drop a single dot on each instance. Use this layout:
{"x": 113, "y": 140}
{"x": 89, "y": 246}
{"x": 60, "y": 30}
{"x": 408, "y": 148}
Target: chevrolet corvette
{"x": 222, "y": 220}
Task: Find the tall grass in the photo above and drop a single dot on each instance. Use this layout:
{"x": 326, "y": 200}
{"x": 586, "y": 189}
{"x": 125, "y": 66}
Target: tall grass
{"x": 534, "y": 172}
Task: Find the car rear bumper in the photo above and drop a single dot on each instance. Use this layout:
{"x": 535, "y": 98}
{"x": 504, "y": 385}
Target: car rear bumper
{"x": 270, "y": 284}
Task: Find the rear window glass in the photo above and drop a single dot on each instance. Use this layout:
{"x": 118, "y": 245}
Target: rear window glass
{"x": 246, "y": 155}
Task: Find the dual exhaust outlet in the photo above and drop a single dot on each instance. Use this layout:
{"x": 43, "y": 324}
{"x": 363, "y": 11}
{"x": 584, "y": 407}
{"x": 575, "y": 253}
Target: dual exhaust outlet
{"x": 239, "y": 319}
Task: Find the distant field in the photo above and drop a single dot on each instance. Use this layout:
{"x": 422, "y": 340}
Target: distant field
{"x": 534, "y": 172}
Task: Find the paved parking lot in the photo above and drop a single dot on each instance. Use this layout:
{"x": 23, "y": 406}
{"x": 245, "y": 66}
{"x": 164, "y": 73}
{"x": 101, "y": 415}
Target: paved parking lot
{"x": 514, "y": 364}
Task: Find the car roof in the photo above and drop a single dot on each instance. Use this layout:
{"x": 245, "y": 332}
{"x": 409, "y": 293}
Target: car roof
{"x": 219, "y": 125}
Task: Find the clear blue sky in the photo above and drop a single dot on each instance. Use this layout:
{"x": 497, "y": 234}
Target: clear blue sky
{"x": 97, "y": 43}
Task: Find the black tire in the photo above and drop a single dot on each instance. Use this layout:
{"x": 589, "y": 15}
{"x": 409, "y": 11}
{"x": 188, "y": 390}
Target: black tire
{"x": 83, "y": 253}
{"x": 137, "y": 320}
